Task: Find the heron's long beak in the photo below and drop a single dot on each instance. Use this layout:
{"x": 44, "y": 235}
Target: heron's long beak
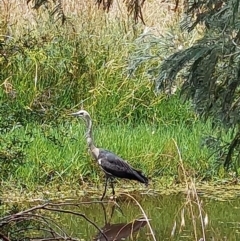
{"x": 74, "y": 114}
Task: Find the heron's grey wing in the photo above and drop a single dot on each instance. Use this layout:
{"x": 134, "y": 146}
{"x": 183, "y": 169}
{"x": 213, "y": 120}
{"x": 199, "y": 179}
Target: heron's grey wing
{"x": 115, "y": 165}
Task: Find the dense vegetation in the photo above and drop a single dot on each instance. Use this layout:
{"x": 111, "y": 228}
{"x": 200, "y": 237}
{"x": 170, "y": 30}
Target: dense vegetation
{"x": 209, "y": 68}
{"x": 49, "y": 70}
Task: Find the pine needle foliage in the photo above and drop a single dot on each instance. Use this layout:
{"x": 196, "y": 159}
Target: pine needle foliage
{"x": 211, "y": 66}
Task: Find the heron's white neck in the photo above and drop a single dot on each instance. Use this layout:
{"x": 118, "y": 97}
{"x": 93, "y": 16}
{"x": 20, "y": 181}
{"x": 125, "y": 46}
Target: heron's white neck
{"x": 94, "y": 150}
{"x": 89, "y": 127}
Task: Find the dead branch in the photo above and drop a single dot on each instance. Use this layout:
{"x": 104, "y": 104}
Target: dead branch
{"x": 45, "y": 223}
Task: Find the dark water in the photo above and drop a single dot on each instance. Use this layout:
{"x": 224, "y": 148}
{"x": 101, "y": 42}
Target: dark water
{"x": 222, "y": 219}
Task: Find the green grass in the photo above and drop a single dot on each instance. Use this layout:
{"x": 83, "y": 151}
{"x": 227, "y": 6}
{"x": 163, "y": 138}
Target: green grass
{"x": 48, "y": 71}
{"x": 58, "y": 153}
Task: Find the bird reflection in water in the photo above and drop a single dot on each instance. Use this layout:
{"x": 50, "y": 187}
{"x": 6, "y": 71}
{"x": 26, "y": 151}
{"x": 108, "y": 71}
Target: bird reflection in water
{"x": 118, "y": 231}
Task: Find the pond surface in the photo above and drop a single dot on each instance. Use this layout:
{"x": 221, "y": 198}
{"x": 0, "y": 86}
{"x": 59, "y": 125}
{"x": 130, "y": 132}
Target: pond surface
{"x": 172, "y": 217}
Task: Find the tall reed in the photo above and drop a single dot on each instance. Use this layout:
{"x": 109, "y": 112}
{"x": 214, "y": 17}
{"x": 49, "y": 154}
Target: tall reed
{"x": 48, "y": 70}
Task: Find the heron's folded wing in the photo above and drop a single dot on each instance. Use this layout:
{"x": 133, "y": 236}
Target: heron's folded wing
{"x": 112, "y": 163}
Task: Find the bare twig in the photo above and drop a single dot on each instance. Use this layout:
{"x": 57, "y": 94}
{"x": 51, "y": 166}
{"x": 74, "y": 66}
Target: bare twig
{"x": 48, "y": 223}
{"x": 77, "y": 214}
{"x": 144, "y": 214}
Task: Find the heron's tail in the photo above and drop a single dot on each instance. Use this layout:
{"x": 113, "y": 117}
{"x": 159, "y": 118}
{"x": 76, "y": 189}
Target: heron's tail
{"x": 140, "y": 177}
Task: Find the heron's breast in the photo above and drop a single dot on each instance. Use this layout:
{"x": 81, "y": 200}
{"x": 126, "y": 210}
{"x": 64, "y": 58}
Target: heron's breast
{"x": 94, "y": 152}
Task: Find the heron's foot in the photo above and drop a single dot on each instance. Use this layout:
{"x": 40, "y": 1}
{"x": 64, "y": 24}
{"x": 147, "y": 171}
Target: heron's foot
{"x": 113, "y": 198}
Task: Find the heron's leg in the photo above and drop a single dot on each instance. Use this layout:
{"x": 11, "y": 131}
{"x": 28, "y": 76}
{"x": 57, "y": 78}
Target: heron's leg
{"x": 105, "y": 188}
{"x": 113, "y": 191}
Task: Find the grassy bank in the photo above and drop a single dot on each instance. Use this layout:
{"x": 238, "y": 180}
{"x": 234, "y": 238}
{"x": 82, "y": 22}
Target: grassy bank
{"x": 42, "y": 153}
{"x": 48, "y": 70}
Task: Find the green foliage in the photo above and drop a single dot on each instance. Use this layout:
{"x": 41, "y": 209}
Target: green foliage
{"x": 48, "y": 72}
{"x": 58, "y": 154}
{"x": 57, "y": 72}
{"x": 12, "y": 155}
{"x": 209, "y": 68}
{"x": 45, "y": 73}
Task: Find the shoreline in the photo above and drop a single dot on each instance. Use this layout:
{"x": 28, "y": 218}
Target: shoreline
{"x": 211, "y": 190}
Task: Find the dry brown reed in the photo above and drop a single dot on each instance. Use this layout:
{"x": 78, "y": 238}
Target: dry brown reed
{"x": 17, "y": 15}
{"x": 193, "y": 205}
{"x": 143, "y": 213}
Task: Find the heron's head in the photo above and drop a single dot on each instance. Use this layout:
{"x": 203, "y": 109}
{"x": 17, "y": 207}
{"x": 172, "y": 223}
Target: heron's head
{"x": 82, "y": 113}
